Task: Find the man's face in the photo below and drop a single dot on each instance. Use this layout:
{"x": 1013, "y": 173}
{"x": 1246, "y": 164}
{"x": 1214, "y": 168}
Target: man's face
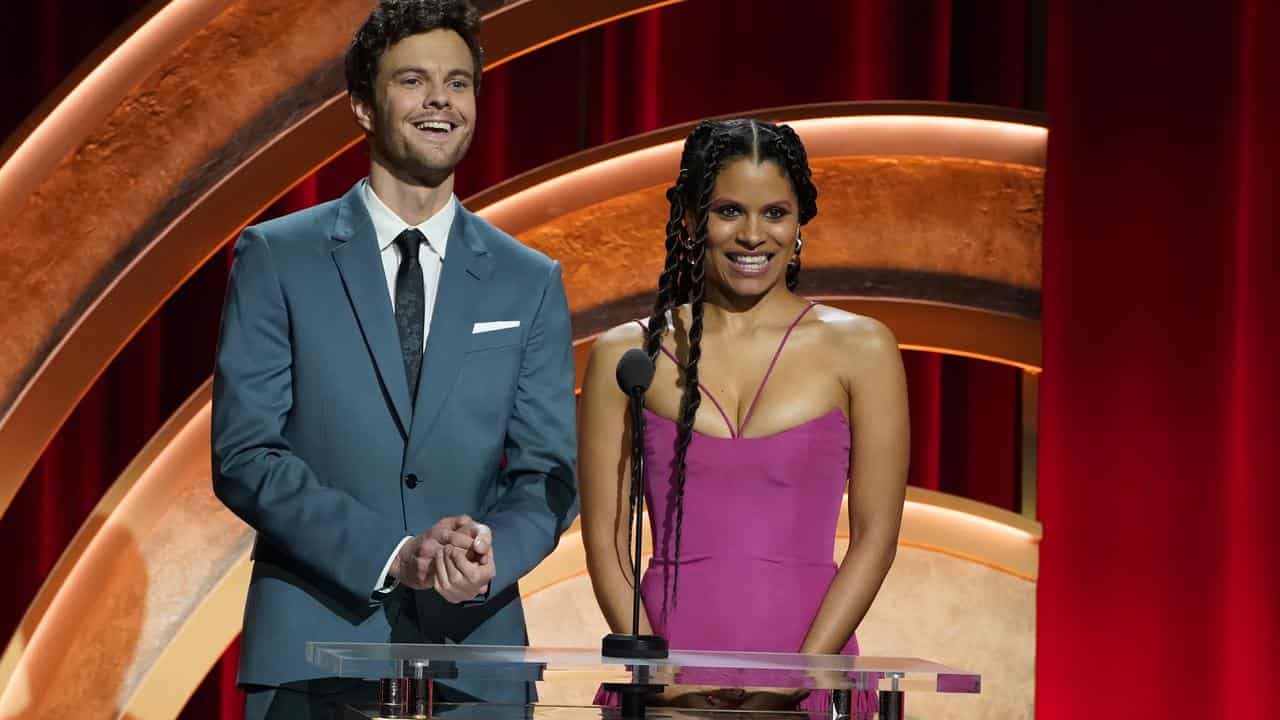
{"x": 424, "y": 106}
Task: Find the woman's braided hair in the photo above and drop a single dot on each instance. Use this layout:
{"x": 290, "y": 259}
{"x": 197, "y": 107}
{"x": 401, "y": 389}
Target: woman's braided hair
{"x": 706, "y": 151}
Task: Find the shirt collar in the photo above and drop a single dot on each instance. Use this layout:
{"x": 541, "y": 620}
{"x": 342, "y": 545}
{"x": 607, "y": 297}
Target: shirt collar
{"x": 387, "y": 225}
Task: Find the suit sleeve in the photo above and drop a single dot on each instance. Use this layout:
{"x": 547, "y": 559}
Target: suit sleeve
{"x": 540, "y": 497}
{"x": 256, "y": 473}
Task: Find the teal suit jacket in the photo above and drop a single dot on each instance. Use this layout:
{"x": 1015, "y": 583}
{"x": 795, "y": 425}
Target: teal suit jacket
{"x": 315, "y": 437}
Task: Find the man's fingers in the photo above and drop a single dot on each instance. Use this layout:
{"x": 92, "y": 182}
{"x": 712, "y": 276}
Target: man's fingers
{"x": 480, "y": 553}
{"x": 484, "y": 540}
{"x": 455, "y": 557}
{"x": 458, "y": 522}
{"x": 474, "y": 573}
{"x": 442, "y": 583}
{"x": 482, "y": 547}
{"x": 445, "y": 526}
{"x": 422, "y": 570}
{"x": 454, "y": 528}
{"x": 428, "y": 548}
{"x": 454, "y": 563}
{"x": 461, "y": 538}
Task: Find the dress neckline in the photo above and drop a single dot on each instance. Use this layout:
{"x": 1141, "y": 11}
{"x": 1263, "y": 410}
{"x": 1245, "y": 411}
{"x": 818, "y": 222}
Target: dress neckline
{"x": 773, "y": 435}
{"x": 737, "y": 433}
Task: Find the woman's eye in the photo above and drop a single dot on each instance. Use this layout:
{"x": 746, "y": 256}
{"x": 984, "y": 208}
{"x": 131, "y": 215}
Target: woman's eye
{"x": 775, "y": 213}
{"x": 728, "y": 211}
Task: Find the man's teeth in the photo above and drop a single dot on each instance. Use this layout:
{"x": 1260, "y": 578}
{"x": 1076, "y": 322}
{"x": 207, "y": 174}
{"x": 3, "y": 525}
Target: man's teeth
{"x": 443, "y": 126}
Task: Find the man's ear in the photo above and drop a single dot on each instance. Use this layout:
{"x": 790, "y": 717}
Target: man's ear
{"x": 363, "y": 112}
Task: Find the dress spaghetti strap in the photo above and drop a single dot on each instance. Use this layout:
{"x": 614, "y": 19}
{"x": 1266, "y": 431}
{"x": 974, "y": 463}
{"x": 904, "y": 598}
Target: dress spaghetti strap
{"x": 777, "y": 353}
{"x": 706, "y": 393}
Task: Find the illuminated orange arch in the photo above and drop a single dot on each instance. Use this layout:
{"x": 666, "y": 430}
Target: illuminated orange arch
{"x": 70, "y": 320}
{"x": 236, "y": 101}
{"x": 162, "y": 508}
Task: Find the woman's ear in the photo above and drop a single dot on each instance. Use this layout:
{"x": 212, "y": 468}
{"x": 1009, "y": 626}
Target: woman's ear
{"x": 688, "y": 225}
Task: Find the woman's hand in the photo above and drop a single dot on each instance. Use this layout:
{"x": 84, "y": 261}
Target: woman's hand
{"x": 700, "y": 697}
{"x": 773, "y": 700}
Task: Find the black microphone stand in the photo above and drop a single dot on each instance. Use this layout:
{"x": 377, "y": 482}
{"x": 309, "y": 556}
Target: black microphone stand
{"x": 635, "y": 371}
{"x": 635, "y": 645}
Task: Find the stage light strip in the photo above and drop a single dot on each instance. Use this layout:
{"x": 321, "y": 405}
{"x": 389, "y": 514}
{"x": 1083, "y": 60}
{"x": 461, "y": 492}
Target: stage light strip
{"x": 601, "y": 177}
{"x": 83, "y": 109}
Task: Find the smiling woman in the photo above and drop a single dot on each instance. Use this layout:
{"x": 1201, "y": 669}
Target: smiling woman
{"x": 753, "y": 222}
{"x": 761, "y": 475}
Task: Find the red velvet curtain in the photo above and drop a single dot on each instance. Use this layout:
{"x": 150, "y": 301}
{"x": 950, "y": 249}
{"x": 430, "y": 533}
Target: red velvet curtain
{"x": 698, "y": 58}
{"x": 1160, "y": 581}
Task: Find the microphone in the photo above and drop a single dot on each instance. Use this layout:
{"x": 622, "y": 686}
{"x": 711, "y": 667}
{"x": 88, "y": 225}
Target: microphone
{"x": 635, "y": 373}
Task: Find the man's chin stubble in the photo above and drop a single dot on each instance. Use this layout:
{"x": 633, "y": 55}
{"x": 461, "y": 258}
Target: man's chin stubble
{"x": 421, "y": 173}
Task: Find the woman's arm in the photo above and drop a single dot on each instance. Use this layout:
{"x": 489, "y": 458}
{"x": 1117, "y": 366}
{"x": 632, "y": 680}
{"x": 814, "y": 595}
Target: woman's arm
{"x": 604, "y": 478}
{"x": 877, "y": 391}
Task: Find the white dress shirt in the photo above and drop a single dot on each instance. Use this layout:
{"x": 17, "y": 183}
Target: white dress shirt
{"x": 388, "y": 226}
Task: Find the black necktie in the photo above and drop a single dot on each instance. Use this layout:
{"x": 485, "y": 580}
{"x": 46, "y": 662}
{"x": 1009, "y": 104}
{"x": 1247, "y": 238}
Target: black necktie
{"x": 411, "y": 304}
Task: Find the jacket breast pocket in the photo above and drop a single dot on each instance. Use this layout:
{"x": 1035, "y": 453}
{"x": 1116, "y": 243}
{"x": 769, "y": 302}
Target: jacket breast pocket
{"x": 488, "y": 377}
{"x": 494, "y": 340}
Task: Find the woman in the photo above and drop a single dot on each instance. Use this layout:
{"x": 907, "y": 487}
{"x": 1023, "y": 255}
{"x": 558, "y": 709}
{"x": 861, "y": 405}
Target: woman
{"x": 744, "y": 492}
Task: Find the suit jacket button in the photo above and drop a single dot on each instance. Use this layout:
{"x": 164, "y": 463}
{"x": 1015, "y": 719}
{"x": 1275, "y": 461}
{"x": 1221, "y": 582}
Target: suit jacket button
{"x": 411, "y": 481}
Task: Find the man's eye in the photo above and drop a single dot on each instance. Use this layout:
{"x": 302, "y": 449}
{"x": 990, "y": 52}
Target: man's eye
{"x": 458, "y": 85}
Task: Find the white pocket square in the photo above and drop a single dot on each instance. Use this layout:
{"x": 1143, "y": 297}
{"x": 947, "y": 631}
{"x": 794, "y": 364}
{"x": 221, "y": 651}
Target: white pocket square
{"x": 484, "y": 327}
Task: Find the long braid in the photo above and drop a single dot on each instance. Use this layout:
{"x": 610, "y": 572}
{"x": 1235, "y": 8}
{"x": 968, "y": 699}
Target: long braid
{"x": 672, "y": 283}
{"x": 669, "y": 280}
{"x": 692, "y": 397}
{"x": 665, "y": 300}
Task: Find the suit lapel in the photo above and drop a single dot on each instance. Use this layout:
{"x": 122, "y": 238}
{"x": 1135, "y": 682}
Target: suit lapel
{"x": 360, "y": 264}
{"x": 467, "y": 265}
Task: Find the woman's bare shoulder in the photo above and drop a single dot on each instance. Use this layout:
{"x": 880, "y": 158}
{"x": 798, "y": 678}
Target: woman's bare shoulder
{"x": 621, "y": 338}
{"x": 857, "y": 336}
{"x": 612, "y": 343}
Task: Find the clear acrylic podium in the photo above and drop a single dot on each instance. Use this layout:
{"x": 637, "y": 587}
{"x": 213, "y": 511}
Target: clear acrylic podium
{"x": 406, "y": 674}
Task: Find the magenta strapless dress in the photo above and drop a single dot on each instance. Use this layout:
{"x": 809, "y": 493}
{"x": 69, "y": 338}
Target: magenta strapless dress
{"x": 758, "y": 536}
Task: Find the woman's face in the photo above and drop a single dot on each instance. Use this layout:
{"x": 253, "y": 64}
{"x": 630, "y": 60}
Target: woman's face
{"x": 752, "y": 223}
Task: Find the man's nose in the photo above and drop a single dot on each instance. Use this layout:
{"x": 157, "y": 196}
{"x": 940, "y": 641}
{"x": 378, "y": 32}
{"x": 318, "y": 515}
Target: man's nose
{"x": 436, "y": 96}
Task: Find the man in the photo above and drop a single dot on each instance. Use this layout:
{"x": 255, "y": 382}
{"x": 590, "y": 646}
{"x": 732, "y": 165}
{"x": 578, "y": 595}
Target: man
{"x": 390, "y": 367}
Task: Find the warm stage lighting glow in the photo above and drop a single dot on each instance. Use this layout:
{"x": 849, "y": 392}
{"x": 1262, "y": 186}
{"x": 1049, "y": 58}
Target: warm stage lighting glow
{"x": 94, "y": 97}
{"x": 824, "y": 137}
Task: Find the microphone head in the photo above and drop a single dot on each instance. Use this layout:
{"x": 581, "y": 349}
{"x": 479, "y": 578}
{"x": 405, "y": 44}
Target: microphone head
{"x": 635, "y": 372}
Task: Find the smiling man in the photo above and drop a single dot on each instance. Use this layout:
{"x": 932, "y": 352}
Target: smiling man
{"x": 393, "y": 406}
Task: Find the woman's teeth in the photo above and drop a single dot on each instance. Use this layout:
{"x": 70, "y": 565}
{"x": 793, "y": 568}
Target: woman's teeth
{"x": 750, "y": 264}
